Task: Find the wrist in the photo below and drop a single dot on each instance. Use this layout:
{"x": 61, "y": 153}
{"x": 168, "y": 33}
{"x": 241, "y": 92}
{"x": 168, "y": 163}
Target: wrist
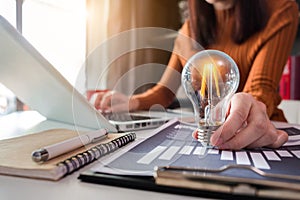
{"x": 134, "y": 104}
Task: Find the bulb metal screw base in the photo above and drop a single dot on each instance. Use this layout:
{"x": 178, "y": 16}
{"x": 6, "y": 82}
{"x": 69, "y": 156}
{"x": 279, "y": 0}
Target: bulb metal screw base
{"x": 204, "y": 133}
{"x": 204, "y": 137}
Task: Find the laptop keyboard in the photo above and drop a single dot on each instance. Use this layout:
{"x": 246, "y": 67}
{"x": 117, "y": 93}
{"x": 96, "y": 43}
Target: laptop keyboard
{"x": 124, "y": 117}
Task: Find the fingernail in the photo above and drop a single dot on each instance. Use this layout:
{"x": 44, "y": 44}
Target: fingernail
{"x": 107, "y": 110}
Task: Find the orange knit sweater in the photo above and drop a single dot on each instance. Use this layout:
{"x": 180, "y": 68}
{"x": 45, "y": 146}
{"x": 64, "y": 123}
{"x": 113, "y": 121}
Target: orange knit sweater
{"x": 260, "y": 59}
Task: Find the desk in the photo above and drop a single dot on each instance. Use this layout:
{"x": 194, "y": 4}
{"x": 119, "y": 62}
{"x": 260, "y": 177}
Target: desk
{"x": 13, "y": 188}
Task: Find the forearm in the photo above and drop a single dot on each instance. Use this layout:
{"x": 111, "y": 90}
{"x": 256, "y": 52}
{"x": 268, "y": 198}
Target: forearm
{"x": 164, "y": 91}
{"x": 158, "y": 95}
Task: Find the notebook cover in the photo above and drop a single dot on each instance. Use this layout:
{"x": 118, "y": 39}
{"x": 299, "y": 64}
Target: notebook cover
{"x": 15, "y": 154}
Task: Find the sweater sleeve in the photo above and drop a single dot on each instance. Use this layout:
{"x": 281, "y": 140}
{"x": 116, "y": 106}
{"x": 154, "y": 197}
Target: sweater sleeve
{"x": 268, "y": 65}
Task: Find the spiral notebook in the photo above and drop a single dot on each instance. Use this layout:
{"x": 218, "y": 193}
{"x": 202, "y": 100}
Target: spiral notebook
{"x": 15, "y": 154}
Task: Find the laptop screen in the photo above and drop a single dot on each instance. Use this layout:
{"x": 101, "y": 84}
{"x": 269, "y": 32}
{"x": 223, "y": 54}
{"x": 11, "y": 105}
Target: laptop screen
{"x": 40, "y": 86}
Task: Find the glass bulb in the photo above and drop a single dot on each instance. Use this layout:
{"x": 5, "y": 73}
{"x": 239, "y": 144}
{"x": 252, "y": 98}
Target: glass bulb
{"x": 210, "y": 78}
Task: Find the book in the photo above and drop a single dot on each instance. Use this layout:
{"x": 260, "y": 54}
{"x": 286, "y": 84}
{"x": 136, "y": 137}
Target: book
{"x": 172, "y": 161}
{"x": 289, "y": 83}
{"x": 295, "y": 80}
{"x": 15, "y": 154}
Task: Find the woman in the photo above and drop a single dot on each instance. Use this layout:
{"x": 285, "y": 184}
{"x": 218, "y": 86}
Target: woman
{"x": 258, "y": 35}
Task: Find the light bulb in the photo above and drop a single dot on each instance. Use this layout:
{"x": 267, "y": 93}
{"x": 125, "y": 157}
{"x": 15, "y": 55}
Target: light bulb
{"x": 210, "y": 78}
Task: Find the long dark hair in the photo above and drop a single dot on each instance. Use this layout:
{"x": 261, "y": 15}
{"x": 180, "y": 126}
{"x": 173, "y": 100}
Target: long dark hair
{"x": 251, "y": 16}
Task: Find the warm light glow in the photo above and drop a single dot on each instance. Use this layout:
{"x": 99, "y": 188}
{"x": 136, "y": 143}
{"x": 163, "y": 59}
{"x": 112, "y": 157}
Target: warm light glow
{"x": 218, "y": 77}
{"x": 57, "y": 28}
{"x": 215, "y": 73}
{"x": 208, "y": 70}
{"x": 203, "y": 83}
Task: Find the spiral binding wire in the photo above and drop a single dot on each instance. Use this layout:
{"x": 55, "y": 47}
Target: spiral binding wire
{"x": 75, "y": 162}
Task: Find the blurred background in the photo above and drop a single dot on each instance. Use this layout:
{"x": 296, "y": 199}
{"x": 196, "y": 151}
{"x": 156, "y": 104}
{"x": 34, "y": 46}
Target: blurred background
{"x": 67, "y": 32}
{"x": 70, "y": 34}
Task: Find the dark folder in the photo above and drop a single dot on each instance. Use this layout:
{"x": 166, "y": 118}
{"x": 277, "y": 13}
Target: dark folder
{"x": 172, "y": 161}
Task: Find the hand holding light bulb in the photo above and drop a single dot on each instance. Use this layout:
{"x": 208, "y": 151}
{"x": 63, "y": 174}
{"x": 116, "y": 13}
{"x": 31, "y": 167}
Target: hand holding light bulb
{"x": 210, "y": 78}
{"x": 225, "y": 119}
{"x": 247, "y": 125}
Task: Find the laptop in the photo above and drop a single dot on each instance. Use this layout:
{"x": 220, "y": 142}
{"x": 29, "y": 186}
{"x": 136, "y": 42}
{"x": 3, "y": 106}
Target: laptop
{"x": 40, "y": 86}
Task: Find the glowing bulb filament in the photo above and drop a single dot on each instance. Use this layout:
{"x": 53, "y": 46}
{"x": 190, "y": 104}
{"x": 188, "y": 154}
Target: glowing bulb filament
{"x": 216, "y": 81}
{"x": 211, "y": 71}
{"x": 210, "y": 78}
{"x": 203, "y": 83}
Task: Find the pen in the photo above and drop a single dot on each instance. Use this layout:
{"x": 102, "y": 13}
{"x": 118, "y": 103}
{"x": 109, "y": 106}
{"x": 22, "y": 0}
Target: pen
{"x": 54, "y": 150}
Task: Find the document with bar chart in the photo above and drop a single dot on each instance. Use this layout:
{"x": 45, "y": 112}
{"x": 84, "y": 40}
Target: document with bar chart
{"x": 174, "y": 146}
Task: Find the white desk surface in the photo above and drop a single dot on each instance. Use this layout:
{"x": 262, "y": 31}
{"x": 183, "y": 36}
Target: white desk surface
{"x": 13, "y": 188}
